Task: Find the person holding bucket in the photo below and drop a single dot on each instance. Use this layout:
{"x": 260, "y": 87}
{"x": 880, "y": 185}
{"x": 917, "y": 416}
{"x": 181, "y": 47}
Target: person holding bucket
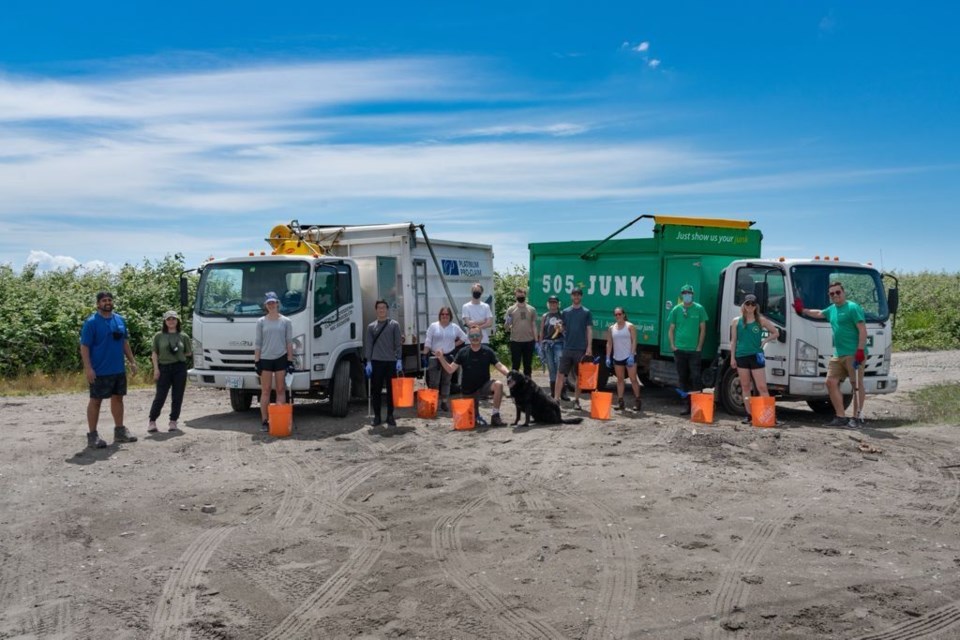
{"x": 382, "y": 350}
{"x": 621, "y": 347}
{"x": 746, "y": 349}
{"x": 445, "y": 336}
{"x": 272, "y": 355}
{"x": 169, "y": 356}
{"x": 688, "y": 330}
{"x": 476, "y": 362}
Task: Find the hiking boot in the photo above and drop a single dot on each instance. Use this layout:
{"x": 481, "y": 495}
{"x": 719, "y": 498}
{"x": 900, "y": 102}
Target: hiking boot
{"x": 152, "y": 426}
{"x": 391, "y": 421}
{"x": 838, "y": 421}
{"x": 620, "y": 405}
{"x": 265, "y": 426}
{"x": 496, "y": 420}
{"x": 480, "y": 421}
{"x": 122, "y": 434}
{"x": 856, "y": 423}
{"x": 94, "y": 441}
{"x": 173, "y": 426}
{"x": 564, "y": 396}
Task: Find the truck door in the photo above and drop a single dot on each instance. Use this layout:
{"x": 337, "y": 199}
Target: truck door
{"x": 335, "y": 317}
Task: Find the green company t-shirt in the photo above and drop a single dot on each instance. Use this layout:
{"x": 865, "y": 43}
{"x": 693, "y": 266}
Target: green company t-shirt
{"x": 749, "y": 338}
{"x": 170, "y": 347}
{"x": 844, "y": 320}
{"x": 687, "y": 320}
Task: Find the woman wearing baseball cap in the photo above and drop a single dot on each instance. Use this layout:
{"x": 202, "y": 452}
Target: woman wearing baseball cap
{"x": 746, "y": 349}
{"x": 171, "y": 349}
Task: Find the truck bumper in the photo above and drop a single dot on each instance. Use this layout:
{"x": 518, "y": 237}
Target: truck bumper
{"x": 812, "y": 387}
{"x": 246, "y": 380}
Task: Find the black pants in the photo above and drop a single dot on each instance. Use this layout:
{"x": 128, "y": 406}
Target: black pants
{"x": 521, "y": 351}
{"x": 688, "y": 369}
{"x": 383, "y": 371}
{"x": 171, "y": 376}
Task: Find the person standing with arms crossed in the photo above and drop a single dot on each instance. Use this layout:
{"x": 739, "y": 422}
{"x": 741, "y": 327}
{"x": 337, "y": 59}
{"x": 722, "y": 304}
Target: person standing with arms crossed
{"x": 382, "y": 349}
{"x": 688, "y": 330}
{"x": 521, "y": 322}
{"x": 578, "y": 341}
{"x": 104, "y": 342}
{"x": 272, "y": 355}
{"x": 477, "y": 313}
{"x": 849, "y": 350}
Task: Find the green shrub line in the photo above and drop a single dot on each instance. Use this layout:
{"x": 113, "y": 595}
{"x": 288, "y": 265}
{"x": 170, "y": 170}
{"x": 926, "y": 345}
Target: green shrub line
{"x": 938, "y": 404}
{"x": 41, "y": 312}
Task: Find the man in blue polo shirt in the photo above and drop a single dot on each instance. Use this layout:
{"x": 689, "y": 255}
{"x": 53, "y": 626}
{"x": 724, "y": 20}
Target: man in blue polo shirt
{"x": 104, "y": 341}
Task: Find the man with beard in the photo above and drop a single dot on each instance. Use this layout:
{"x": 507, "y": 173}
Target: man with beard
{"x": 104, "y": 342}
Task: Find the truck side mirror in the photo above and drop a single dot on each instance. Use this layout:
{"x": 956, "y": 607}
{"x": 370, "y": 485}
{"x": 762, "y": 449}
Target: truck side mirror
{"x": 893, "y": 300}
{"x": 184, "y": 292}
{"x": 783, "y": 336}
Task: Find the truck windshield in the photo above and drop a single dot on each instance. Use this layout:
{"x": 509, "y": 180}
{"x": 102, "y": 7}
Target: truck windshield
{"x": 862, "y": 285}
{"x": 237, "y": 289}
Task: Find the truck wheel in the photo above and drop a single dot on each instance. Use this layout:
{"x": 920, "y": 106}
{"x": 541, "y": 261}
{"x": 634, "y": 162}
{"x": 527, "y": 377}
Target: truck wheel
{"x": 240, "y": 401}
{"x": 731, "y": 394}
{"x": 340, "y": 395}
{"x": 824, "y": 407}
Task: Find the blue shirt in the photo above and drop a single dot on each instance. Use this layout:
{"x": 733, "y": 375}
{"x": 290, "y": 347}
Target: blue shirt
{"x": 106, "y": 352}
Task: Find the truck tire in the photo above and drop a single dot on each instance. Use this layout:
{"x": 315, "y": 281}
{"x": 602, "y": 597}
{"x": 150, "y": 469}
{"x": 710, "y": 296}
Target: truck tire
{"x": 824, "y": 407}
{"x": 731, "y": 395}
{"x": 240, "y": 400}
{"x": 340, "y": 394}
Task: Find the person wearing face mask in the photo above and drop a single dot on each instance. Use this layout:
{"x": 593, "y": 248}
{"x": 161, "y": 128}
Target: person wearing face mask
{"x": 521, "y": 322}
{"x": 478, "y": 313}
{"x": 688, "y": 330}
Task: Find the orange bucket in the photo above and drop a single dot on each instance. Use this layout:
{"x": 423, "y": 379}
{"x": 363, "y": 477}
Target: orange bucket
{"x": 587, "y": 373}
{"x": 600, "y": 404}
{"x": 281, "y": 420}
{"x": 427, "y": 400}
{"x": 763, "y": 411}
{"x": 701, "y": 407}
{"x": 463, "y": 416}
{"x": 402, "y": 392}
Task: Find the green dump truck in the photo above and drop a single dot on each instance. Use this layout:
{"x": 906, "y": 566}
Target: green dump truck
{"x": 721, "y": 259}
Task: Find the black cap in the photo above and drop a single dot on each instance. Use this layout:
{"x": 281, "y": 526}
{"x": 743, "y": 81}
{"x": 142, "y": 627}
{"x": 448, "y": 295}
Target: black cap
{"x": 553, "y": 299}
{"x": 749, "y": 298}
{"x": 577, "y": 291}
{"x": 104, "y": 294}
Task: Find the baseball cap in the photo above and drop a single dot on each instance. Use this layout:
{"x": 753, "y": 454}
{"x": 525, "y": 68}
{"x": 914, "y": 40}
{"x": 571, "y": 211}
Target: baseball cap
{"x": 749, "y": 298}
{"x": 104, "y": 294}
{"x": 271, "y": 297}
{"x": 577, "y": 291}
{"x": 687, "y": 287}
{"x": 553, "y": 299}
{"x": 171, "y": 314}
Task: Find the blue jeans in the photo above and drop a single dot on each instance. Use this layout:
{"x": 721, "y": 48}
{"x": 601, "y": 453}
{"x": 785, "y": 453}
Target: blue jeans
{"x": 551, "y": 355}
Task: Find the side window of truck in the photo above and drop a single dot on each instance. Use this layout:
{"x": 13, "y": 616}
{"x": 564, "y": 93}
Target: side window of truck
{"x": 324, "y": 291}
{"x": 762, "y": 281}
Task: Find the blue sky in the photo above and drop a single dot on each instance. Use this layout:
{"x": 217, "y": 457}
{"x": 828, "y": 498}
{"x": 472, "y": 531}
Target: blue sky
{"x": 129, "y": 131}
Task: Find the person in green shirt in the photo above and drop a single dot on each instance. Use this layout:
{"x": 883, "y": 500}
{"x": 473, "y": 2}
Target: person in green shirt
{"x": 746, "y": 349}
{"x": 688, "y": 330}
{"x": 170, "y": 352}
{"x": 849, "y": 351}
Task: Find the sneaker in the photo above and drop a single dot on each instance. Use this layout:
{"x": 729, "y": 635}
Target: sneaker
{"x": 173, "y": 426}
{"x": 856, "y": 423}
{"x": 94, "y": 441}
{"x": 444, "y": 407}
{"x": 620, "y": 405}
{"x": 746, "y": 420}
{"x": 480, "y": 421}
{"x": 685, "y": 412}
{"x": 265, "y": 426}
{"x": 639, "y": 406}
{"x": 152, "y": 426}
{"x": 838, "y": 421}
{"x": 564, "y": 396}
{"x": 576, "y": 405}
{"x": 391, "y": 421}
{"x": 496, "y": 420}
{"x": 376, "y": 422}
{"x": 122, "y": 434}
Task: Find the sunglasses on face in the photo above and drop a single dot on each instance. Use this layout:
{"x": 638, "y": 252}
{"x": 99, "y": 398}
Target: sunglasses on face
{"x": 474, "y": 336}
{"x": 618, "y": 314}
{"x": 750, "y": 304}
{"x": 834, "y": 294}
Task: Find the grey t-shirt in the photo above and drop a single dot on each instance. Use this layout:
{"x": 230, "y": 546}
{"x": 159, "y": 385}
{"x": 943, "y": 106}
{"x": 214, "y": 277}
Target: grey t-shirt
{"x": 575, "y": 323}
{"x": 388, "y": 346}
{"x": 273, "y": 337}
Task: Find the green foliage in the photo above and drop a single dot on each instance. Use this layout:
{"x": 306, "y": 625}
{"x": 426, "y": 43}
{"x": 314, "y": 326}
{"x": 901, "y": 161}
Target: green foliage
{"x": 41, "y": 313}
{"x": 929, "y": 315}
{"x": 938, "y": 404}
{"x": 504, "y": 295}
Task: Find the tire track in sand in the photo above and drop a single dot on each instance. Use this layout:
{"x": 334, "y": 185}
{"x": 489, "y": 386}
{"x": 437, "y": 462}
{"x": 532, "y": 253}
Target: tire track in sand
{"x": 942, "y": 619}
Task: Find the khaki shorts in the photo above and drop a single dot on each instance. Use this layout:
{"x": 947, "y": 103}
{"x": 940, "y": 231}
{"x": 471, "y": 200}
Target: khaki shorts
{"x": 842, "y": 368}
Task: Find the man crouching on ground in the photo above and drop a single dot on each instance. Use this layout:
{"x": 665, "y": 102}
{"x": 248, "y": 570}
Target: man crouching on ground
{"x": 476, "y": 382}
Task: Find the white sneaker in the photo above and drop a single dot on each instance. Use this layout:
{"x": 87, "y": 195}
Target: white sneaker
{"x": 152, "y": 426}
{"x": 173, "y": 426}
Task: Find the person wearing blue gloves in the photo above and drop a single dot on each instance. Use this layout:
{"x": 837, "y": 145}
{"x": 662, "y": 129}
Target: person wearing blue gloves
{"x": 382, "y": 347}
{"x": 621, "y": 350}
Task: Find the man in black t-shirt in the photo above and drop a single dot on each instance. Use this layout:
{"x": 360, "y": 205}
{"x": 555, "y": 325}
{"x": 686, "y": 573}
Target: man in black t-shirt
{"x": 475, "y": 382}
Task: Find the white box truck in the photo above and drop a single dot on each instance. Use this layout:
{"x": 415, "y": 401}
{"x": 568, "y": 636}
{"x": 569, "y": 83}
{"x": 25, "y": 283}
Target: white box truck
{"x": 328, "y": 279}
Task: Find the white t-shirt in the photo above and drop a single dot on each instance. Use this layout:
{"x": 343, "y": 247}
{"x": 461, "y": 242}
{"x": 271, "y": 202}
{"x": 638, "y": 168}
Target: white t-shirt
{"x": 443, "y": 338}
{"x": 477, "y": 314}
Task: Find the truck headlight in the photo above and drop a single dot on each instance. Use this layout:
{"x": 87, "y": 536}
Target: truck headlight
{"x": 807, "y": 356}
{"x": 197, "y": 353}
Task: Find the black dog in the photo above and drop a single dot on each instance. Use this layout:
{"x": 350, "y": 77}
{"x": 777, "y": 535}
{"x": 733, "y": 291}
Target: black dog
{"x": 532, "y": 400}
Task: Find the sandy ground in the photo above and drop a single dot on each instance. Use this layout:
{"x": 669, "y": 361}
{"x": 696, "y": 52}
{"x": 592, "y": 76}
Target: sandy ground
{"x": 646, "y": 526}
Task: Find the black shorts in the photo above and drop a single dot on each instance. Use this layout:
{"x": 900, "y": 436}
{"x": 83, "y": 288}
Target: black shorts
{"x": 277, "y": 364}
{"x": 104, "y": 387}
{"x": 622, "y": 363}
{"x": 569, "y": 361}
{"x": 749, "y": 362}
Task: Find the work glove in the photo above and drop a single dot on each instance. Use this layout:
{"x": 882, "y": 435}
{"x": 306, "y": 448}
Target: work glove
{"x": 798, "y": 305}
{"x": 609, "y": 363}
{"x": 368, "y": 369}
{"x": 631, "y": 361}
{"x": 290, "y": 367}
{"x": 424, "y": 361}
{"x": 596, "y": 360}
{"x": 399, "y": 366}
{"x": 860, "y": 356}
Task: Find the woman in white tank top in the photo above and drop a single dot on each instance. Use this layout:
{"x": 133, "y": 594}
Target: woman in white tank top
{"x": 621, "y": 349}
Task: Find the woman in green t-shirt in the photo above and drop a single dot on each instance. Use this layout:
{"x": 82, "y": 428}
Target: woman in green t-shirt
{"x": 746, "y": 349}
{"x": 170, "y": 352}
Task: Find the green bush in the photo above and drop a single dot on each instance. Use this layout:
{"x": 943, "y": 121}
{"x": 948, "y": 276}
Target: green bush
{"x": 929, "y": 314}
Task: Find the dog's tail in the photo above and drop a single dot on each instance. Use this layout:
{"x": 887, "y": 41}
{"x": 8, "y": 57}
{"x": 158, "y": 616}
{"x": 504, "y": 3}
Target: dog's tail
{"x": 572, "y": 420}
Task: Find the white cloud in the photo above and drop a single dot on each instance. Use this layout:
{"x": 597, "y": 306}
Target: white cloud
{"x": 642, "y": 47}
{"x": 43, "y": 261}
{"x": 559, "y": 129}
{"x": 653, "y": 64}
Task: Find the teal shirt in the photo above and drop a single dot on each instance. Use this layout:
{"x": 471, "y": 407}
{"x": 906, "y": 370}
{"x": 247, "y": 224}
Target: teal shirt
{"x": 749, "y": 337}
{"x": 686, "y": 335}
{"x": 844, "y": 320}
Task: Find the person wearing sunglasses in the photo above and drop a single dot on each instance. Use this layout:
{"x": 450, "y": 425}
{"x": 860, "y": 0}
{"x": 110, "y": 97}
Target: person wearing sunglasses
{"x": 445, "y": 336}
{"x": 171, "y": 349}
{"x": 104, "y": 343}
{"x": 476, "y": 383}
{"x": 621, "y": 358}
{"x": 746, "y": 349}
{"x": 849, "y": 344}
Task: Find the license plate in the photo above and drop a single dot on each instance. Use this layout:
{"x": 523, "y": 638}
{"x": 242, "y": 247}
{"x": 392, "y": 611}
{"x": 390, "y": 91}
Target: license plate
{"x": 234, "y": 382}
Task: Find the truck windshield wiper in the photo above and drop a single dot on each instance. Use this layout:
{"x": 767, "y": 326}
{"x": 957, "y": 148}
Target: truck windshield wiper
{"x": 228, "y": 316}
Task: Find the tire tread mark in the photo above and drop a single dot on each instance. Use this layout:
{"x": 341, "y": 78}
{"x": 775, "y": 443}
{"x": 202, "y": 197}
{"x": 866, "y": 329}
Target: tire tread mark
{"x": 938, "y": 620}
